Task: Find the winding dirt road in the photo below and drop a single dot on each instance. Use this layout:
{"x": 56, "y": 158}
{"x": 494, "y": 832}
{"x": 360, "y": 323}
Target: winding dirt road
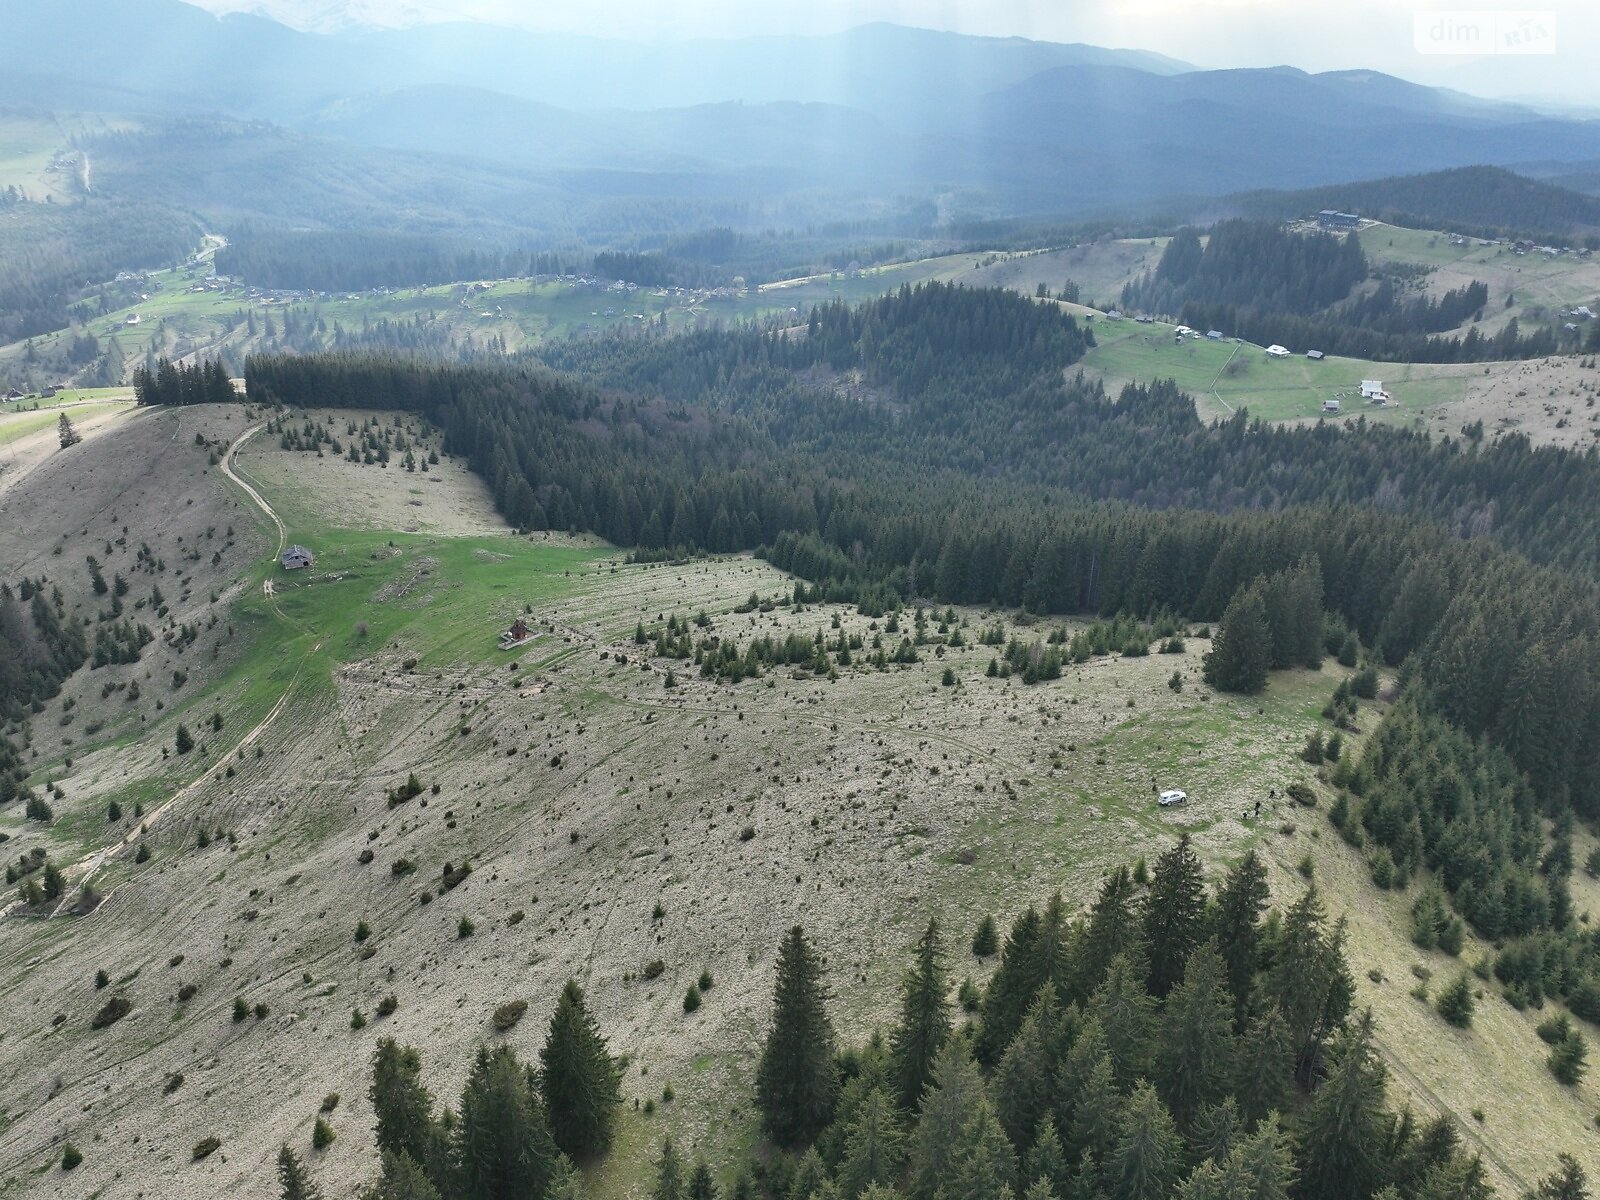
{"x": 85, "y": 870}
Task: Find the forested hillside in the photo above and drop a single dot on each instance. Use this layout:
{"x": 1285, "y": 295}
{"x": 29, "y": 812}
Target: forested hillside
{"x": 52, "y": 256}
{"x": 1262, "y": 282}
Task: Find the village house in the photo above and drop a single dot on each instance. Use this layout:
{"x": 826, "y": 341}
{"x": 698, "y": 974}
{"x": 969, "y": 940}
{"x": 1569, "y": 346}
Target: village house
{"x": 297, "y": 557}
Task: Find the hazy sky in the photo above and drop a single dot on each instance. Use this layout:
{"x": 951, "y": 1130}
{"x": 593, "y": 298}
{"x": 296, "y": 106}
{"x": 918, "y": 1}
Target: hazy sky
{"x": 1313, "y": 34}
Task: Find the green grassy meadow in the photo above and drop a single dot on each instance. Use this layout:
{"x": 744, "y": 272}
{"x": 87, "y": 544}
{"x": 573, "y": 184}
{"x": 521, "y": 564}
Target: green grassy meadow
{"x": 1285, "y": 389}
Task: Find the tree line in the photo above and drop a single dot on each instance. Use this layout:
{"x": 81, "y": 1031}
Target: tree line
{"x": 203, "y": 382}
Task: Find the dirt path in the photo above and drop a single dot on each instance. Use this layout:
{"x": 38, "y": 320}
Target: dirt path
{"x": 228, "y": 462}
{"x": 86, "y": 870}
{"x": 1411, "y": 1081}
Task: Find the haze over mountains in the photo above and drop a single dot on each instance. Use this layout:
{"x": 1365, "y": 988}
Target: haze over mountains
{"x": 990, "y": 126}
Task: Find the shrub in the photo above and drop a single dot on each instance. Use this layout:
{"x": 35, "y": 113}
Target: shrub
{"x": 112, "y": 1011}
{"x": 241, "y": 1010}
{"x": 363, "y": 931}
{"x": 142, "y": 855}
{"x": 657, "y": 912}
{"x": 1554, "y": 1030}
{"x": 654, "y": 968}
{"x": 322, "y": 1135}
{"x": 329, "y": 1102}
{"x": 37, "y": 809}
{"x": 261, "y": 1011}
{"x": 1307, "y": 866}
{"x": 986, "y": 940}
{"x": 206, "y": 1147}
{"x": 1569, "y": 1060}
{"x": 364, "y": 857}
{"x": 705, "y": 981}
{"x": 748, "y": 832}
{"x": 1455, "y": 1003}
{"x": 402, "y": 867}
{"x": 173, "y": 1083}
{"x": 1301, "y": 793}
{"x": 71, "y": 1156}
{"x": 508, "y": 1014}
{"x": 183, "y": 740}
{"x": 465, "y": 928}
{"x": 101, "y": 979}
{"x": 691, "y": 998}
{"x": 968, "y": 995}
{"x": 388, "y": 1005}
{"x": 358, "y": 1019}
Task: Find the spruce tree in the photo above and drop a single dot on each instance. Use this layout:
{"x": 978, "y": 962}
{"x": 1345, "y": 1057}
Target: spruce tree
{"x": 1127, "y": 1013}
{"x": 986, "y": 940}
{"x": 670, "y": 1183}
{"x": 294, "y": 1182}
{"x": 1174, "y": 915}
{"x": 796, "y": 1080}
{"x": 1046, "y": 1161}
{"x": 701, "y": 1185}
{"x": 1113, "y": 928}
{"x": 1309, "y": 981}
{"x": 873, "y": 1149}
{"x": 954, "y": 1094}
{"x": 1342, "y": 1135}
{"x": 580, "y": 1080}
{"x": 1265, "y": 1161}
{"x": 1034, "y": 954}
{"x": 1024, "y": 1082}
{"x": 1237, "y": 661}
{"x": 1217, "y": 1128}
{"x": 1148, "y": 1158}
{"x": 503, "y": 1146}
{"x": 1265, "y": 1066}
{"x": 1568, "y": 1181}
{"x": 924, "y": 1021}
{"x": 810, "y": 1176}
{"x": 985, "y": 1163}
{"x": 401, "y": 1105}
{"x": 1097, "y": 1114}
{"x": 402, "y": 1179}
{"x": 1455, "y": 1002}
{"x": 1241, "y": 899}
{"x": 1195, "y": 1054}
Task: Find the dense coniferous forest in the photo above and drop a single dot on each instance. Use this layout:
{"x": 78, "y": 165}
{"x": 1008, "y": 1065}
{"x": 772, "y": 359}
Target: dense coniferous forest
{"x": 51, "y": 253}
{"x": 1167, "y": 1042}
{"x": 178, "y": 383}
{"x": 1261, "y": 282}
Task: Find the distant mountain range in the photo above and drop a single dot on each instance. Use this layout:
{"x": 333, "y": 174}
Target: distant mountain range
{"x": 880, "y": 114}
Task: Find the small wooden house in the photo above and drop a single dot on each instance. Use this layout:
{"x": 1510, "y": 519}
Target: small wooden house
{"x": 296, "y": 557}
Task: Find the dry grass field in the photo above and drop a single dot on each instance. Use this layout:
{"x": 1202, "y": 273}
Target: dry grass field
{"x": 584, "y": 791}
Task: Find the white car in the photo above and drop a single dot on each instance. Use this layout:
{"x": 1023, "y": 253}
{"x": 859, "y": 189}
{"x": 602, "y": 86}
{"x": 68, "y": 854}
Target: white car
{"x": 1173, "y": 796}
